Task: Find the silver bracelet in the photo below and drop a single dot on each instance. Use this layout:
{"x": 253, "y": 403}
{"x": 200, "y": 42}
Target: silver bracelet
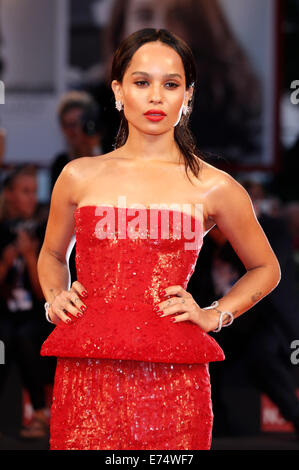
{"x": 220, "y": 325}
{"x": 47, "y": 306}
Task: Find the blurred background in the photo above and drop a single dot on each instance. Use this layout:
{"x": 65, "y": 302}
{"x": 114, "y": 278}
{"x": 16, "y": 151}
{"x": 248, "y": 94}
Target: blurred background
{"x": 56, "y": 104}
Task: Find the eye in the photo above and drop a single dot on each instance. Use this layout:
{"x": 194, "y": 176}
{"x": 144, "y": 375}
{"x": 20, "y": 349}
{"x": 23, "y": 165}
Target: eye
{"x": 171, "y": 85}
{"x": 141, "y": 83}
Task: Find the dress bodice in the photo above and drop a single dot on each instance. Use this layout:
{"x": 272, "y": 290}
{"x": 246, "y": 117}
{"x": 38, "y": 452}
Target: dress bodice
{"x": 125, "y": 257}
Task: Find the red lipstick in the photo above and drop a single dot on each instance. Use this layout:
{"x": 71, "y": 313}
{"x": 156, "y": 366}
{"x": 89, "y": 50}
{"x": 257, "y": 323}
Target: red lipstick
{"x": 155, "y": 114}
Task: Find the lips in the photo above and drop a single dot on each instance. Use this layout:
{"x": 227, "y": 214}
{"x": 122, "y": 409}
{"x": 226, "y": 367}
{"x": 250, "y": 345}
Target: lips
{"x": 155, "y": 112}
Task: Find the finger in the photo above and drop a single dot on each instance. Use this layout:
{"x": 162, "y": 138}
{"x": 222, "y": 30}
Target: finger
{"x": 172, "y": 290}
{"x": 81, "y": 307}
{"x": 61, "y": 314}
{"x": 180, "y": 318}
{"x": 173, "y": 309}
{"x": 72, "y": 310}
{"x": 79, "y": 288}
{"x": 176, "y": 290}
{"x": 173, "y": 301}
{"x": 64, "y": 303}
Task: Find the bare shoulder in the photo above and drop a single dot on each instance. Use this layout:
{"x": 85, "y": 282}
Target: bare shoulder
{"x": 81, "y": 167}
{"x": 222, "y": 189}
{"x": 233, "y": 212}
{"x": 217, "y": 178}
{"x": 79, "y": 172}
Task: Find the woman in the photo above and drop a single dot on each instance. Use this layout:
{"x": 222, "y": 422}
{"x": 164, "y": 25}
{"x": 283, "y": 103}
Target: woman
{"x": 226, "y": 115}
{"x": 127, "y": 378}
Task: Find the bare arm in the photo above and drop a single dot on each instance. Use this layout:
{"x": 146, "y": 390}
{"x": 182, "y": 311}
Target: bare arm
{"x": 52, "y": 264}
{"x": 231, "y": 208}
{"x": 233, "y": 212}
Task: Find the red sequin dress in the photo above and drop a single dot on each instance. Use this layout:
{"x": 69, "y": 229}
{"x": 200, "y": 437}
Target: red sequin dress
{"x": 125, "y": 377}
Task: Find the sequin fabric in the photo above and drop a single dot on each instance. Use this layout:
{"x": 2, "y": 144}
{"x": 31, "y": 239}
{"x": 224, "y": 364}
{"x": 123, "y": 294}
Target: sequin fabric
{"x": 104, "y": 404}
{"x": 124, "y": 277}
{"x": 126, "y": 378}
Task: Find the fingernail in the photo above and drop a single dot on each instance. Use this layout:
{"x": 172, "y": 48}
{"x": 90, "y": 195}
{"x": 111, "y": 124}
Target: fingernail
{"x": 156, "y": 308}
{"x": 79, "y": 315}
{"x": 173, "y": 320}
{"x": 84, "y": 293}
{"x": 68, "y": 321}
{"x": 159, "y": 313}
{"x": 164, "y": 292}
{"x": 83, "y": 308}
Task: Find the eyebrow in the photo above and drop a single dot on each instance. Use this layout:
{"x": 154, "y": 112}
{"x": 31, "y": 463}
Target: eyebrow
{"x": 167, "y": 75}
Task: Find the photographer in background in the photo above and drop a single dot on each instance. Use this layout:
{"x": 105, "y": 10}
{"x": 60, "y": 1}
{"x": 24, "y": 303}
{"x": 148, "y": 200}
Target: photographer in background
{"x": 80, "y": 122}
{"x": 22, "y": 325}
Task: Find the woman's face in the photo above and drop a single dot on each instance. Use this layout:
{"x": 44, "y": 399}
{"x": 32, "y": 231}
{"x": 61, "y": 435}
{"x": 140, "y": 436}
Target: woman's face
{"x": 154, "y": 81}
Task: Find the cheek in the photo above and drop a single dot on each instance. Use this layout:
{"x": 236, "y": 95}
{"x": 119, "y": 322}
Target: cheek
{"x": 134, "y": 98}
{"x": 177, "y": 104}
{"x": 176, "y": 97}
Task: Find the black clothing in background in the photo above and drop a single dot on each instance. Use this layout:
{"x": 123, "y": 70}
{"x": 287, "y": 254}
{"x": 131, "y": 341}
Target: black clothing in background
{"x": 259, "y": 341}
{"x": 59, "y": 162}
{"x": 23, "y": 326}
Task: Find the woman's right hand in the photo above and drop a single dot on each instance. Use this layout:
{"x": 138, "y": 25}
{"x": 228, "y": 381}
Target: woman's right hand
{"x": 68, "y": 302}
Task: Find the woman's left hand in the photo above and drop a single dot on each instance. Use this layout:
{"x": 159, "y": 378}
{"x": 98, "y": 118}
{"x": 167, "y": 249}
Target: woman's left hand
{"x": 183, "y": 303}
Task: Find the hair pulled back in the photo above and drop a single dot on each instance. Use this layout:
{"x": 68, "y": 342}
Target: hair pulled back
{"x": 121, "y": 61}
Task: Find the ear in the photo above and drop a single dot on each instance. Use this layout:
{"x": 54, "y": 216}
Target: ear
{"x": 188, "y": 95}
{"x": 117, "y": 90}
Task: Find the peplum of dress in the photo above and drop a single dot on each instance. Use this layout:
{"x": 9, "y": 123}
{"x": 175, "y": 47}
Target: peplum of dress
{"x": 125, "y": 377}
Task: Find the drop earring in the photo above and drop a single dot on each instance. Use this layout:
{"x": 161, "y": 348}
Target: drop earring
{"x": 186, "y": 110}
{"x": 118, "y": 105}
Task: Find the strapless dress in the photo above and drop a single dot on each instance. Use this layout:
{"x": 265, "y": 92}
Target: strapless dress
{"x": 125, "y": 377}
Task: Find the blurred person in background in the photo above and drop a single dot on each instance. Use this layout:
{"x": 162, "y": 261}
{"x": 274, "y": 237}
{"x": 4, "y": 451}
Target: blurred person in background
{"x": 259, "y": 343}
{"x": 22, "y": 326}
{"x": 80, "y": 122}
{"x": 227, "y": 102}
{"x": 79, "y": 119}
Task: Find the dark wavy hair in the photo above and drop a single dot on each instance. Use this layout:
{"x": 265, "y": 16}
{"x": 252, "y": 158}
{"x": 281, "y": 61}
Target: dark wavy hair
{"x": 121, "y": 61}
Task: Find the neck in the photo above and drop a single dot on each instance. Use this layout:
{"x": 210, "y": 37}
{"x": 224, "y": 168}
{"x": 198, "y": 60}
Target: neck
{"x": 145, "y": 147}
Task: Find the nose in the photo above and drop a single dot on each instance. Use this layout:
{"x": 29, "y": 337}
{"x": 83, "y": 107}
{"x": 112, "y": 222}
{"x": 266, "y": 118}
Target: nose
{"x": 155, "y": 94}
